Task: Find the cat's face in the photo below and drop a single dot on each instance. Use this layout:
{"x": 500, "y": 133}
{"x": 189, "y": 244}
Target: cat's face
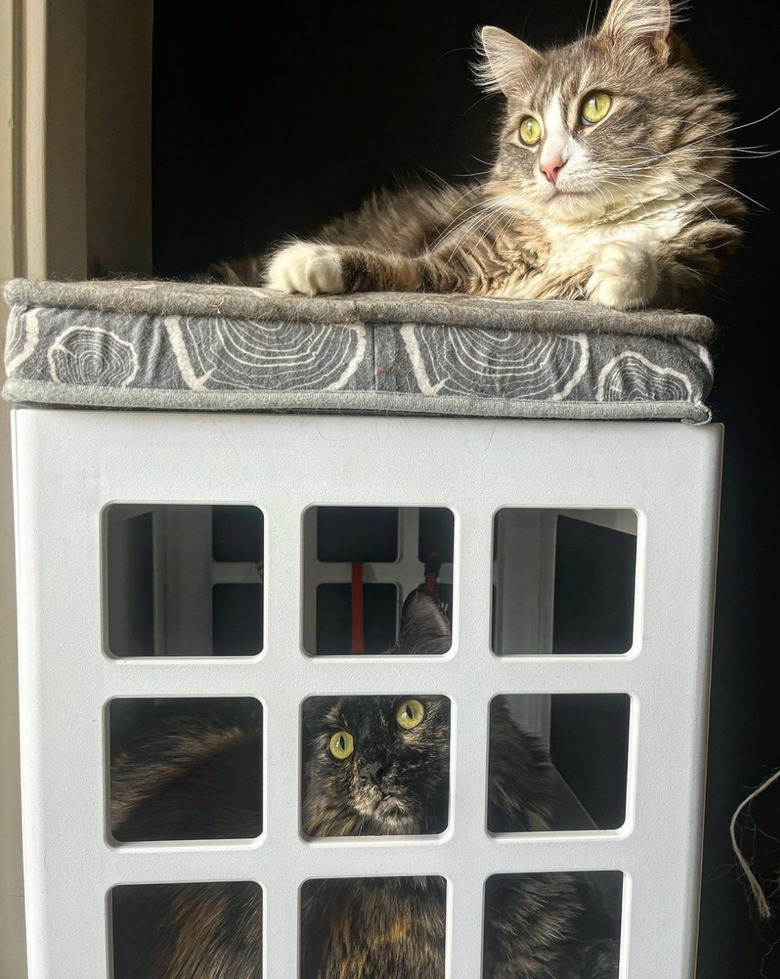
{"x": 377, "y": 766}
{"x": 602, "y": 123}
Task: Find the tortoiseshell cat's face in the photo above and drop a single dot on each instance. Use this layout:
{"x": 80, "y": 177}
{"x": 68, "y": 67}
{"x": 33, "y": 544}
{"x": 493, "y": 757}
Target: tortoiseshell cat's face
{"x": 378, "y": 766}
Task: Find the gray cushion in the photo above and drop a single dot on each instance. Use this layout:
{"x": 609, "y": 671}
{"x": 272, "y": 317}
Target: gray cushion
{"x": 165, "y": 345}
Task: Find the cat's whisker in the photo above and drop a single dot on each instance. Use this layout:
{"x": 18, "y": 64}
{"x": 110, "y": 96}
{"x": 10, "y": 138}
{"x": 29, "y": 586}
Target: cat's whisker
{"x": 733, "y": 129}
{"x": 502, "y": 220}
{"x": 472, "y": 226}
{"x": 466, "y": 220}
{"x": 474, "y": 173}
{"x": 687, "y": 192}
{"x": 496, "y": 214}
{"x": 592, "y": 13}
{"x": 454, "y": 224}
{"x": 436, "y": 177}
{"x": 683, "y": 190}
{"x": 453, "y": 207}
{"x": 719, "y": 134}
{"x": 731, "y": 151}
{"x": 650, "y": 161}
{"x": 463, "y": 231}
{"x": 479, "y": 101}
{"x": 728, "y": 186}
{"x": 638, "y": 203}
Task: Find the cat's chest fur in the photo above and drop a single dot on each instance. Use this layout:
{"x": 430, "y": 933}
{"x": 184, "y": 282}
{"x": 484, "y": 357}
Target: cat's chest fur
{"x": 567, "y": 254}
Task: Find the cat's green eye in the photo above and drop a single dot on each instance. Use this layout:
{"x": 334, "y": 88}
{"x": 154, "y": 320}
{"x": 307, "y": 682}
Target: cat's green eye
{"x": 595, "y": 106}
{"x": 342, "y": 745}
{"x": 409, "y": 714}
{"x": 530, "y": 131}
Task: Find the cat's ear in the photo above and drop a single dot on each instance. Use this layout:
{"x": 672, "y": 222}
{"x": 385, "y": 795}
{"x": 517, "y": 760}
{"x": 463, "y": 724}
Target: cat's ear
{"x": 425, "y": 629}
{"x": 646, "y": 22}
{"x": 506, "y": 63}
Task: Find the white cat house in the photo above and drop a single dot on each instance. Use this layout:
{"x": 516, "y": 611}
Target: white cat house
{"x": 193, "y": 551}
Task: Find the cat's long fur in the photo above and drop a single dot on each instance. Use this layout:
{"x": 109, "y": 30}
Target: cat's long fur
{"x": 641, "y": 214}
{"x": 386, "y": 928}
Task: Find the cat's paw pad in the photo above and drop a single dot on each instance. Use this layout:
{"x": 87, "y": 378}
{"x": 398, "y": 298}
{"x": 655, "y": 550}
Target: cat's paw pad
{"x": 625, "y": 276}
{"x": 306, "y": 268}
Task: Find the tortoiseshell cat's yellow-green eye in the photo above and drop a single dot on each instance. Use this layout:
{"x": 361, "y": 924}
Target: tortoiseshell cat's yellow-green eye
{"x": 342, "y": 745}
{"x": 530, "y": 131}
{"x": 595, "y": 106}
{"x": 409, "y": 714}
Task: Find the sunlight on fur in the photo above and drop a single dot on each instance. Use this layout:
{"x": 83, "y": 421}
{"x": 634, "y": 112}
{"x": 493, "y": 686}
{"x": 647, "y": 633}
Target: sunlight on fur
{"x": 610, "y": 182}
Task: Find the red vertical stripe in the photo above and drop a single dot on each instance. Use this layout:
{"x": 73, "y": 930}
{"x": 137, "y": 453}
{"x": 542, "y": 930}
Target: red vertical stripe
{"x": 358, "y": 637}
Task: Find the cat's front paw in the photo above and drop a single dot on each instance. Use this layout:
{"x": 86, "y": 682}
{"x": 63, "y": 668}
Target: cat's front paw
{"x": 307, "y": 268}
{"x": 625, "y": 276}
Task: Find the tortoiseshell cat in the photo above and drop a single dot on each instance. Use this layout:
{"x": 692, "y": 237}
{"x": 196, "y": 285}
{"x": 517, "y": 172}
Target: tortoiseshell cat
{"x": 372, "y": 766}
{"x": 610, "y": 182}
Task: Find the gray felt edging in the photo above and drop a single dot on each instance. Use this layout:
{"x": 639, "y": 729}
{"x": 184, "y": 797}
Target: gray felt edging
{"x": 364, "y": 402}
{"x": 198, "y": 299}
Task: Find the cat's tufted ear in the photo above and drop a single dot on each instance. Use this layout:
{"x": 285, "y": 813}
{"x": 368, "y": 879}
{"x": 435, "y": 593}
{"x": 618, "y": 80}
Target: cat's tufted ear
{"x": 647, "y": 22}
{"x": 425, "y": 629}
{"x": 506, "y": 63}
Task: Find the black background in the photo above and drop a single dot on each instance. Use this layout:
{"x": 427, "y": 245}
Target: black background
{"x": 270, "y": 119}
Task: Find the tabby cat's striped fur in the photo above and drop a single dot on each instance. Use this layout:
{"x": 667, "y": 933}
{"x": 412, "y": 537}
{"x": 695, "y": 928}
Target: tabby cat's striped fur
{"x": 633, "y": 210}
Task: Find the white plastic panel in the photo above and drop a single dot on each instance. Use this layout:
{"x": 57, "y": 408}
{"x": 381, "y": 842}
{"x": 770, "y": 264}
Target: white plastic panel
{"x": 71, "y": 465}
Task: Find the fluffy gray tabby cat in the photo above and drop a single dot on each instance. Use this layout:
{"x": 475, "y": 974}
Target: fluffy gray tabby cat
{"x": 610, "y": 183}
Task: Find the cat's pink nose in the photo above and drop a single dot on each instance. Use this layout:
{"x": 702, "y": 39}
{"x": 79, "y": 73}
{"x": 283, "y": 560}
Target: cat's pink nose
{"x": 552, "y": 168}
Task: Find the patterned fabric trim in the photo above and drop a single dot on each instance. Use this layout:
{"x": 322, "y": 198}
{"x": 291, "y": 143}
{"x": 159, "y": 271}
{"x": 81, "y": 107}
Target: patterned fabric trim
{"x": 99, "y": 357}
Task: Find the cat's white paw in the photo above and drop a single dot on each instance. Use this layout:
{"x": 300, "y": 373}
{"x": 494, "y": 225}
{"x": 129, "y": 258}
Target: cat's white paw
{"x": 625, "y": 276}
{"x": 308, "y": 268}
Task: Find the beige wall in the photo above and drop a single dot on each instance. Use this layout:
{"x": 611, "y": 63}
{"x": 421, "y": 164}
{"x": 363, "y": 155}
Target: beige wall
{"x": 75, "y": 195}
{"x": 118, "y": 156}
{"x": 12, "y": 956}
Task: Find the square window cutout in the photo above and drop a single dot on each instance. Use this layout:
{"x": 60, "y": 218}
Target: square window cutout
{"x": 553, "y": 925}
{"x": 563, "y": 581}
{"x": 364, "y": 567}
{"x": 373, "y": 926}
{"x": 558, "y": 762}
{"x": 185, "y": 769}
{"x": 183, "y": 579}
{"x": 375, "y": 766}
{"x": 213, "y": 928}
